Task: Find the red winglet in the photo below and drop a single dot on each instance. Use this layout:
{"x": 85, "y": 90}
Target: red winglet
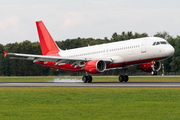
{"x": 5, "y": 53}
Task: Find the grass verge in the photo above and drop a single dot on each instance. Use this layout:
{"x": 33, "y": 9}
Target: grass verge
{"x": 89, "y": 103}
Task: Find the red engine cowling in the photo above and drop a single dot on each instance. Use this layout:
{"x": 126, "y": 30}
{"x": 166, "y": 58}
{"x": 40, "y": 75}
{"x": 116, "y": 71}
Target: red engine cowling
{"x": 95, "y": 66}
{"x": 149, "y": 67}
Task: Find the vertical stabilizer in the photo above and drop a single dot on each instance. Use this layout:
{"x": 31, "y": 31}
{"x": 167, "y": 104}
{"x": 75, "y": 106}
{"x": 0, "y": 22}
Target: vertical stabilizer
{"x": 48, "y": 46}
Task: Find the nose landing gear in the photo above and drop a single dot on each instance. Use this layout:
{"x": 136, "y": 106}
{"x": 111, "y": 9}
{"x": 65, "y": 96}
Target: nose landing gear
{"x": 154, "y": 72}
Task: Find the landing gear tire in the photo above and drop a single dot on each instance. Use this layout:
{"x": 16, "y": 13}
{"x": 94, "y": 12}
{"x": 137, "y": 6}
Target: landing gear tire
{"x": 84, "y": 79}
{"x": 121, "y": 78}
{"x": 87, "y": 79}
{"x": 154, "y": 72}
{"x": 124, "y": 78}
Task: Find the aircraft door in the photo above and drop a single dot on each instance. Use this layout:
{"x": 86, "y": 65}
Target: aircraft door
{"x": 143, "y": 46}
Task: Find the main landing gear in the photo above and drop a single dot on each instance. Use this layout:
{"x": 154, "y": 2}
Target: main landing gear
{"x": 123, "y": 78}
{"x": 87, "y": 78}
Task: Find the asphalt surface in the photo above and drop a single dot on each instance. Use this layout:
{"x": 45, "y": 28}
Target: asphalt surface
{"x": 93, "y": 84}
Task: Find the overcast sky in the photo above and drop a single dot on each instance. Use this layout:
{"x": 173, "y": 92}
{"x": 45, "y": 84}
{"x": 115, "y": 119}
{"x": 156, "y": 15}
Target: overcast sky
{"x": 68, "y": 19}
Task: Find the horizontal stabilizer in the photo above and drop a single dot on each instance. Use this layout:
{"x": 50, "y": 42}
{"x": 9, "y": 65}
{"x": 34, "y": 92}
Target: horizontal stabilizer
{"x": 18, "y": 58}
{"x": 5, "y": 53}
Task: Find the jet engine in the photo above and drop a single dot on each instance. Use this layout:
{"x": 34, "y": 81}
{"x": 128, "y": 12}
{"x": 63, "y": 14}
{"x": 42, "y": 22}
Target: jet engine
{"x": 95, "y": 66}
{"x": 151, "y": 67}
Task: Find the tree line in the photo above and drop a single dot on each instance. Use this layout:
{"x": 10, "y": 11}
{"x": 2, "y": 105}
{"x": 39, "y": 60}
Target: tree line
{"x": 12, "y": 67}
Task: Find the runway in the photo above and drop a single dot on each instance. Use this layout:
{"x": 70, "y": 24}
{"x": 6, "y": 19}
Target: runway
{"x": 93, "y": 84}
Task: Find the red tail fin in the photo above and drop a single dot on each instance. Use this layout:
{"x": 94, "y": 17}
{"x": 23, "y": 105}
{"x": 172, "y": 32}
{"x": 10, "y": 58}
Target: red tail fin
{"x": 48, "y": 46}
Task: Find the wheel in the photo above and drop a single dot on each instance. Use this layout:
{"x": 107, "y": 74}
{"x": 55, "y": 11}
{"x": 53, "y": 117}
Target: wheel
{"x": 84, "y": 79}
{"x": 155, "y": 72}
{"x": 89, "y": 79}
{"x": 121, "y": 78}
{"x": 126, "y": 78}
{"x": 152, "y": 73}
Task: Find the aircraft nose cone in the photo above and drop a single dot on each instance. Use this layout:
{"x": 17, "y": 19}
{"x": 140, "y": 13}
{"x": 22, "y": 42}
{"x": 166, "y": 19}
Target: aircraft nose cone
{"x": 170, "y": 51}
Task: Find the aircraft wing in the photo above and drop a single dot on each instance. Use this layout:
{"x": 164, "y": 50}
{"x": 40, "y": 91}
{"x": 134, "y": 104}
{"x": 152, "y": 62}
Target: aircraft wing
{"x": 57, "y": 59}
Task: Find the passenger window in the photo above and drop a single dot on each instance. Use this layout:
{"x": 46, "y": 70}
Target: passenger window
{"x": 154, "y": 43}
{"x": 157, "y": 43}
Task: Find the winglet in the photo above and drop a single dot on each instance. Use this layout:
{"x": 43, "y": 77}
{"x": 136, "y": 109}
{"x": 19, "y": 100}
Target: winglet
{"x": 5, "y": 53}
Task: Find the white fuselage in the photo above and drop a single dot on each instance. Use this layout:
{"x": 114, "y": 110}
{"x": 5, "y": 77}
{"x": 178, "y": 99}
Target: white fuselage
{"x": 125, "y": 51}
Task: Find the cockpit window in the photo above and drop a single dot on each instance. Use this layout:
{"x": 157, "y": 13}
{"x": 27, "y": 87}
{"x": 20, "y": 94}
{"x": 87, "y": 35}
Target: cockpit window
{"x": 157, "y": 43}
{"x": 162, "y": 42}
{"x": 154, "y": 43}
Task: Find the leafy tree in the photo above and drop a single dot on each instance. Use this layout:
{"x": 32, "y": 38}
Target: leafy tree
{"x": 4, "y": 61}
{"x": 163, "y": 34}
{"x": 175, "y": 64}
{"x": 115, "y": 37}
{"x": 130, "y": 35}
{"x": 144, "y": 35}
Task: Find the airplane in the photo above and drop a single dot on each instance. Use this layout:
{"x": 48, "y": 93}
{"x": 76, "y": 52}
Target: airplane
{"x": 146, "y": 52}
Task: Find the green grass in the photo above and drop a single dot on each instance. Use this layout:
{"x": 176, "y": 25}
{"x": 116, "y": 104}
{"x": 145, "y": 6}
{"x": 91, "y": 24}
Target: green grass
{"x": 97, "y": 103}
{"x": 95, "y": 78}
